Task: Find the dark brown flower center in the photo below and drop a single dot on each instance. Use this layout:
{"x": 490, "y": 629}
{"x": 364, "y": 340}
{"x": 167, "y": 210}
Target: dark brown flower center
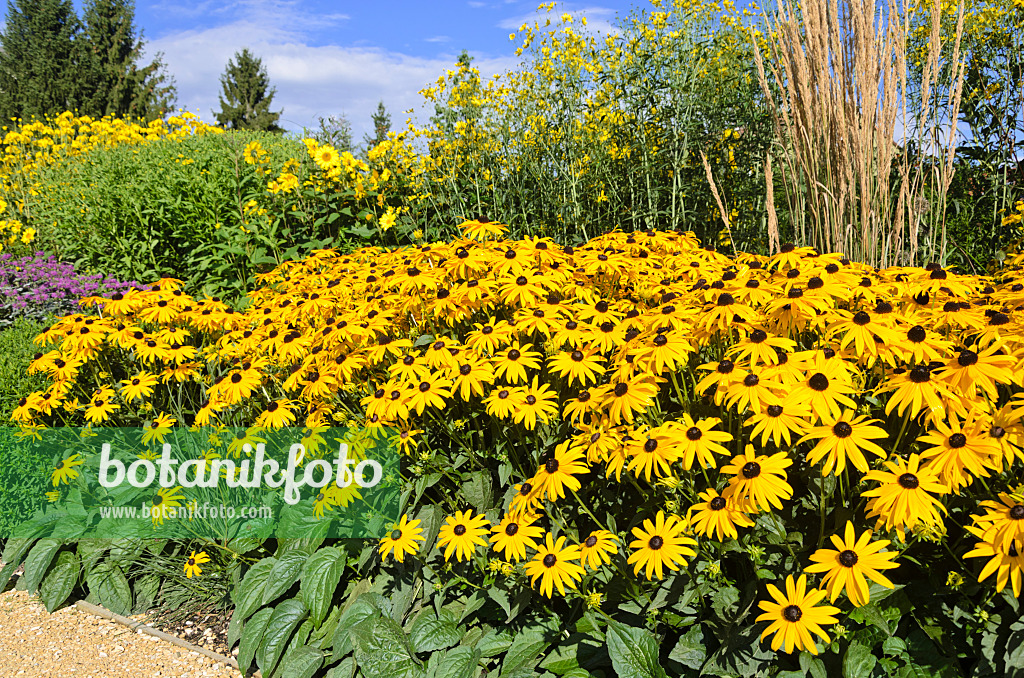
{"x": 550, "y": 560}
{"x": 819, "y": 382}
{"x": 656, "y": 543}
{"x": 693, "y": 433}
{"x": 861, "y": 318}
{"x": 396, "y": 535}
{"x": 1017, "y": 512}
{"x": 751, "y": 470}
{"x": 577, "y": 356}
{"x": 774, "y": 411}
{"x": 908, "y": 481}
{"x": 916, "y": 334}
{"x": 750, "y": 380}
{"x": 848, "y": 558}
{"x": 551, "y": 466}
{"x": 842, "y": 429}
{"x": 591, "y": 542}
{"x": 459, "y": 530}
{"x": 957, "y": 440}
{"x": 511, "y": 529}
{"x": 717, "y": 504}
{"x": 792, "y": 613}
{"x": 920, "y": 374}
{"x": 967, "y": 358}
{"x": 621, "y": 389}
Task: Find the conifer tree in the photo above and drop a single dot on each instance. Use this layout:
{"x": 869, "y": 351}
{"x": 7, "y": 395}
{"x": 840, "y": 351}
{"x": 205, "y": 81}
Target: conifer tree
{"x": 118, "y": 84}
{"x": 381, "y": 126}
{"x": 246, "y": 95}
{"x": 40, "y": 59}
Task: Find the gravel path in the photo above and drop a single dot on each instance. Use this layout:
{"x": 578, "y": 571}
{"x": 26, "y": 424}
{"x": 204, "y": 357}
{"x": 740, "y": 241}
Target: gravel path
{"x": 72, "y": 644}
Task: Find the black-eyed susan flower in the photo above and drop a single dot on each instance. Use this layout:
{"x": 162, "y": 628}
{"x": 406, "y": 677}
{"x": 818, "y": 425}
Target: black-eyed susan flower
{"x": 778, "y": 422}
{"x": 916, "y": 390}
{"x": 717, "y": 517}
{"x": 164, "y": 502}
{"x": 402, "y": 539}
{"x": 538, "y": 403}
{"x": 515, "y": 534}
{"x": 700, "y": 441}
{"x": 139, "y": 386}
{"x": 598, "y": 548}
{"x": 845, "y": 439}
{"x": 461, "y": 534}
{"x": 961, "y": 452}
{"x": 1006, "y": 562}
{"x": 65, "y": 470}
{"x": 430, "y": 392}
{"x": 193, "y": 562}
{"x": 904, "y": 494}
{"x": 853, "y": 561}
{"x": 581, "y": 365}
{"x": 654, "y": 450}
{"x": 512, "y": 363}
{"x": 758, "y": 482}
{"x": 1003, "y": 521}
{"x": 660, "y": 544}
{"x": 553, "y": 565}
{"x": 558, "y": 473}
{"x": 795, "y": 615}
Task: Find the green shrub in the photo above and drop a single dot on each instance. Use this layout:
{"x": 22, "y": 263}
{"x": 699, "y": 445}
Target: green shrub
{"x": 21, "y": 487}
{"x": 166, "y": 208}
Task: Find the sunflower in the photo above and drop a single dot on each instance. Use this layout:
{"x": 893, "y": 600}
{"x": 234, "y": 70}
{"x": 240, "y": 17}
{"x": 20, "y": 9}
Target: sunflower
{"x": 402, "y": 539}
{"x": 717, "y": 516}
{"x": 1006, "y": 562}
{"x": 514, "y": 534}
{"x": 902, "y": 497}
{"x": 660, "y": 544}
{"x": 554, "y": 567}
{"x": 795, "y": 615}
{"x": 852, "y": 560}
{"x": 65, "y": 471}
{"x": 759, "y": 483}
{"x": 461, "y": 534}
{"x": 842, "y": 439}
{"x": 193, "y": 562}
{"x": 598, "y": 548}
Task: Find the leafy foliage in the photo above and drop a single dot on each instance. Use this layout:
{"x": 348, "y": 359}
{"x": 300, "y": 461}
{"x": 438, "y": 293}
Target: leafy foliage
{"x": 246, "y": 95}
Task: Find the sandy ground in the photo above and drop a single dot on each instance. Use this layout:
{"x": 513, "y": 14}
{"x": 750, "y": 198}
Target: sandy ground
{"x": 72, "y": 644}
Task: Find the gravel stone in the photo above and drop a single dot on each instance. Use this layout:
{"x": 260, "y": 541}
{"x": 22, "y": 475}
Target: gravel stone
{"x": 72, "y": 644}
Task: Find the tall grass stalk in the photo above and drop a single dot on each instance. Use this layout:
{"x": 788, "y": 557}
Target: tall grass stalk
{"x": 856, "y": 147}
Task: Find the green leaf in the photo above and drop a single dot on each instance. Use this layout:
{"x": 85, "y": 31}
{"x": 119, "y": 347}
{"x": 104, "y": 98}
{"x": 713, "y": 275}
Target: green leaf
{"x": 37, "y": 562}
{"x": 429, "y": 633}
{"x": 386, "y": 652}
{"x": 524, "y": 651}
{"x": 456, "y": 663}
{"x": 60, "y": 581}
{"x": 320, "y": 578}
{"x": 361, "y": 613}
{"x": 302, "y": 662}
{"x": 110, "y": 585}
{"x": 634, "y": 652}
{"x": 479, "y": 490}
{"x": 690, "y": 650}
{"x": 283, "y": 575}
{"x": 812, "y": 666}
{"x": 249, "y": 593}
{"x": 286, "y": 617}
{"x": 858, "y": 661}
{"x": 146, "y": 590}
{"x": 252, "y": 635}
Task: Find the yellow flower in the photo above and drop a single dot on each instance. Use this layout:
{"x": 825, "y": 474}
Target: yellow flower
{"x": 65, "y": 471}
{"x": 193, "y": 562}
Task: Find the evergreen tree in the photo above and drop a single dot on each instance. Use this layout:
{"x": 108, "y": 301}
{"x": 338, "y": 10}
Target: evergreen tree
{"x": 245, "y": 101}
{"x": 118, "y": 84}
{"x": 334, "y": 130}
{"x": 40, "y": 59}
{"x": 381, "y": 126}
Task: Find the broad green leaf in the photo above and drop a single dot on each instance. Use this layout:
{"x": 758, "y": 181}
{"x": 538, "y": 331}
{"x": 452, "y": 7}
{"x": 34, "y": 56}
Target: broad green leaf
{"x": 524, "y": 652}
{"x": 37, "y": 562}
{"x": 302, "y": 662}
{"x": 60, "y": 581}
{"x": 248, "y": 594}
{"x": 429, "y": 633}
{"x": 252, "y": 635}
{"x": 286, "y": 617}
{"x": 634, "y": 652}
{"x": 478, "y": 489}
{"x": 690, "y": 650}
{"x": 283, "y": 575}
{"x": 455, "y": 663}
{"x": 320, "y": 578}
{"x": 110, "y": 585}
{"x": 361, "y": 613}
{"x": 386, "y": 652}
{"x": 858, "y": 661}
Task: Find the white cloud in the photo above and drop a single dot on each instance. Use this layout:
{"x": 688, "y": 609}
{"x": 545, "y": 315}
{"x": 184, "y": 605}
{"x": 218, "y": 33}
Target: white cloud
{"x": 311, "y": 81}
{"x": 438, "y": 38}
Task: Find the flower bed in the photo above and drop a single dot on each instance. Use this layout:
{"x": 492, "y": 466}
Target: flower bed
{"x": 621, "y": 456}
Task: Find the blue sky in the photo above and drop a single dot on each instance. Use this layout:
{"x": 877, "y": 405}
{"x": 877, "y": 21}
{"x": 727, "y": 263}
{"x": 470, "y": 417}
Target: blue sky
{"x": 329, "y": 58}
